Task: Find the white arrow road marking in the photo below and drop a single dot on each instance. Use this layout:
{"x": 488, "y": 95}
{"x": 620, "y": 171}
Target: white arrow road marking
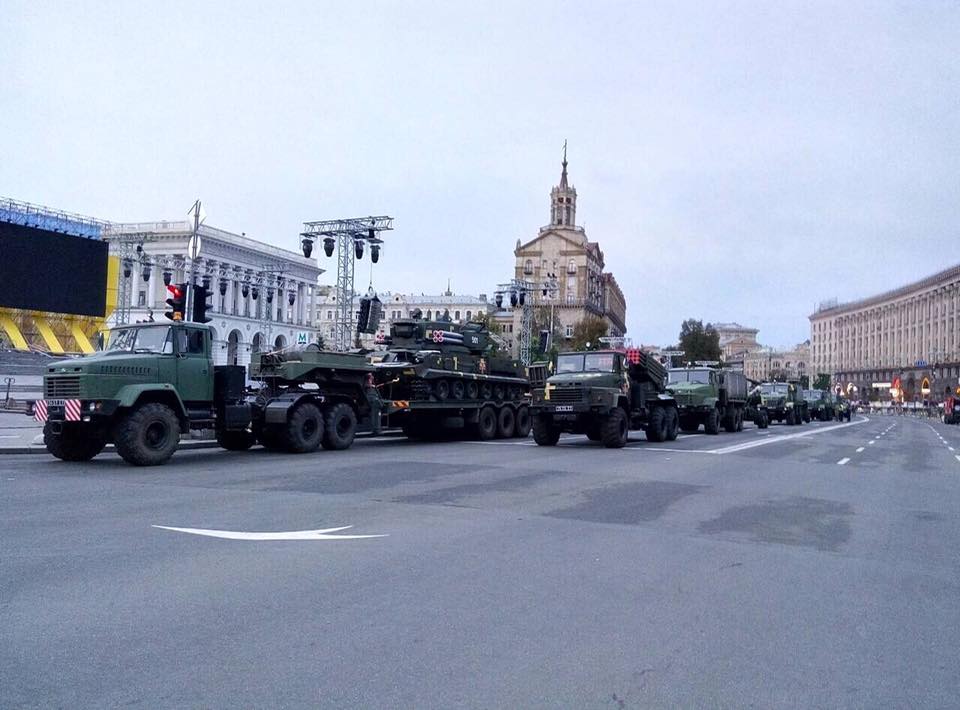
{"x": 323, "y": 534}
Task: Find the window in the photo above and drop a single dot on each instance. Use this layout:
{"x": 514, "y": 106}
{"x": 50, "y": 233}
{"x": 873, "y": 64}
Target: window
{"x": 142, "y": 298}
{"x": 528, "y": 266}
{"x": 572, "y": 267}
{"x": 568, "y": 331}
{"x": 468, "y": 315}
{"x": 329, "y": 315}
{"x": 429, "y": 315}
{"x": 456, "y": 315}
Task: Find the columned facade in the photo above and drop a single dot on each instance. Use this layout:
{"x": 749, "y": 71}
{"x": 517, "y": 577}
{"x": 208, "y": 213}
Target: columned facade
{"x": 263, "y": 297}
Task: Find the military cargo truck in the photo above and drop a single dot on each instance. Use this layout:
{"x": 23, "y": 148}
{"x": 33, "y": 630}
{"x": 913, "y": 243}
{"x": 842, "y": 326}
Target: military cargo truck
{"x": 819, "y": 404}
{"x": 783, "y": 402}
{"x": 710, "y": 396}
{"x": 605, "y": 394}
{"x": 155, "y": 382}
{"x": 440, "y": 379}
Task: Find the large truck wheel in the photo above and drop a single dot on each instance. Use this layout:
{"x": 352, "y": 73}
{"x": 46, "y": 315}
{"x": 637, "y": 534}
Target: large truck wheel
{"x": 486, "y": 423}
{"x": 673, "y": 424}
{"x": 148, "y": 436}
{"x": 739, "y": 420}
{"x": 73, "y": 443}
{"x": 730, "y": 420}
{"x": 657, "y": 426}
{"x": 505, "y": 423}
{"x": 791, "y": 417}
{"x": 523, "y": 423}
{"x": 235, "y": 440}
{"x": 544, "y": 432}
{"x": 341, "y": 427}
{"x": 615, "y": 429}
{"x": 711, "y": 424}
{"x": 304, "y": 429}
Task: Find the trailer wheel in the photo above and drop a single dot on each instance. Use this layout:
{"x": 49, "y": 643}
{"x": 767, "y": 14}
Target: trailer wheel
{"x": 712, "y": 423}
{"x": 148, "y": 436}
{"x": 523, "y": 423}
{"x": 506, "y": 422}
{"x": 341, "y": 427}
{"x": 235, "y": 440}
{"x": 614, "y": 430}
{"x": 304, "y": 430}
{"x": 72, "y": 443}
{"x": 657, "y": 426}
{"x": 486, "y": 423}
{"x": 544, "y": 432}
{"x": 673, "y": 424}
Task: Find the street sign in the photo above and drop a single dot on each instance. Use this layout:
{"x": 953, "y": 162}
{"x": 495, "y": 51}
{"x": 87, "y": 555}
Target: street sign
{"x": 302, "y": 338}
{"x": 920, "y": 363}
{"x": 193, "y": 246}
{"x": 673, "y": 353}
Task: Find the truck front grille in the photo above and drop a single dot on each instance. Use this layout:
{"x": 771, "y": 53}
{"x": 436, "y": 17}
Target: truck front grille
{"x": 566, "y": 395}
{"x": 61, "y": 386}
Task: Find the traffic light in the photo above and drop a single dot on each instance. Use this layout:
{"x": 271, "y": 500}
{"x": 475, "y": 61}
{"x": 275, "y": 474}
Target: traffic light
{"x": 200, "y": 304}
{"x": 363, "y": 319}
{"x": 177, "y": 301}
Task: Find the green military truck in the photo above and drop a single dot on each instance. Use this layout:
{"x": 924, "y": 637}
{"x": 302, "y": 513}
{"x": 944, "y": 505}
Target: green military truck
{"x": 709, "y": 396}
{"x": 155, "y": 382}
{"x": 784, "y": 403}
{"x": 844, "y": 409}
{"x": 605, "y": 394}
{"x": 820, "y": 405}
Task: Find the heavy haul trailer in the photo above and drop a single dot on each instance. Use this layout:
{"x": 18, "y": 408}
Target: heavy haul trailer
{"x": 439, "y": 380}
{"x": 711, "y": 396}
{"x": 155, "y": 382}
{"x": 605, "y": 394}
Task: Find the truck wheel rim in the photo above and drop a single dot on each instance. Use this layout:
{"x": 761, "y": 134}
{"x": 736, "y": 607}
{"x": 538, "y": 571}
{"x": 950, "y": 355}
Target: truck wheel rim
{"x": 155, "y": 435}
{"x": 309, "y": 427}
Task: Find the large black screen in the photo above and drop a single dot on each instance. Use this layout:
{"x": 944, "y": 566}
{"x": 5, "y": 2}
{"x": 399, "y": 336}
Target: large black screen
{"x": 48, "y": 271}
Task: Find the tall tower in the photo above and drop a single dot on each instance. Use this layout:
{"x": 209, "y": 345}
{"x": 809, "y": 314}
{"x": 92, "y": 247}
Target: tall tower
{"x": 563, "y": 199}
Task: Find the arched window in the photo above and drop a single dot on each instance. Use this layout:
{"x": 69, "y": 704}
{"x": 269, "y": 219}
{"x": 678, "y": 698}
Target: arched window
{"x": 468, "y": 315}
{"x": 528, "y": 266}
{"x": 572, "y": 267}
{"x": 456, "y": 315}
{"x": 429, "y": 315}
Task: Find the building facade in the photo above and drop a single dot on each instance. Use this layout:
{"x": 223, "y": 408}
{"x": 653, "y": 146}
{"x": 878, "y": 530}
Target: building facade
{"x": 565, "y": 271}
{"x": 911, "y": 334}
{"x": 736, "y": 340}
{"x": 264, "y": 297}
{"x": 764, "y": 363}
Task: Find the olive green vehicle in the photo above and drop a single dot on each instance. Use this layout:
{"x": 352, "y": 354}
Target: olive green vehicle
{"x": 155, "y": 382}
{"x": 709, "y": 396}
{"x": 605, "y": 394}
{"x": 784, "y": 402}
{"x": 820, "y": 405}
{"x": 440, "y": 379}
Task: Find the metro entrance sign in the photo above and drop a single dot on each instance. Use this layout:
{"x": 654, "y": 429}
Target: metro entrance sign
{"x": 920, "y": 363}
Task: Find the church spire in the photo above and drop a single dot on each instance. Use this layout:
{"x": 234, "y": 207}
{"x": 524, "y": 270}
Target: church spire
{"x": 563, "y": 199}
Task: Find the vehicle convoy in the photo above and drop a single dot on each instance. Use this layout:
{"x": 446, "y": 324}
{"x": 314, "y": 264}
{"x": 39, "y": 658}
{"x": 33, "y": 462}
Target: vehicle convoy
{"x": 440, "y": 379}
{"x": 157, "y": 381}
{"x": 604, "y": 394}
{"x": 784, "y": 402}
{"x": 820, "y": 405}
{"x": 710, "y": 396}
{"x": 951, "y": 410}
{"x": 844, "y": 409}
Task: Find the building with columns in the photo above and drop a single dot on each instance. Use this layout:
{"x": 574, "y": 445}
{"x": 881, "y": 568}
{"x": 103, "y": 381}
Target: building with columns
{"x": 736, "y": 340}
{"x": 911, "y": 333}
{"x": 762, "y": 363}
{"x": 264, "y": 297}
{"x": 566, "y": 270}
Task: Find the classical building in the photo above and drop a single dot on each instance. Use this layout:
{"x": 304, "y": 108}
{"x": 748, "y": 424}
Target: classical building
{"x": 263, "y": 296}
{"x": 736, "y": 340}
{"x": 762, "y": 362}
{"x": 459, "y": 307}
{"x": 911, "y": 333}
{"x": 566, "y": 270}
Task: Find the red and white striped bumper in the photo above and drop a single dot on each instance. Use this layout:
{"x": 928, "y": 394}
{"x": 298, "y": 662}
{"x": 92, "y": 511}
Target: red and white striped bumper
{"x": 66, "y": 409}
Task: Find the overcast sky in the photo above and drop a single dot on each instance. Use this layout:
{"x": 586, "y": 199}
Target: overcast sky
{"x": 735, "y": 161}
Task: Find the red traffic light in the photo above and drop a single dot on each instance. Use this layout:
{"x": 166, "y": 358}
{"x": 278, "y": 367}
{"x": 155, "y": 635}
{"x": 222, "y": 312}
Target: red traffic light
{"x": 175, "y": 291}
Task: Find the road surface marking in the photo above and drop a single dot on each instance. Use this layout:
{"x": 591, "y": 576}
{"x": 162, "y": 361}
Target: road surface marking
{"x": 785, "y": 437}
{"x": 860, "y": 450}
{"x": 870, "y": 442}
{"x": 322, "y": 534}
{"x": 958, "y": 457}
{"x": 951, "y": 448}
{"x": 843, "y": 462}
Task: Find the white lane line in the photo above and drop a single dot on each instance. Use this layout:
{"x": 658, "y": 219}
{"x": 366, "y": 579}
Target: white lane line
{"x": 951, "y": 448}
{"x": 843, "y": 462}
{"x": 958, "y": 457}
{"x": 321, "y": 534}
{"x": 870, "y": 442}
{"x": 860, "y": 450}
{"x": 786, "y": 437}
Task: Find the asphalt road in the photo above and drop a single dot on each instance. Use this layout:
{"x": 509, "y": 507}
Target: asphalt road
{"x": 812, "y": 566}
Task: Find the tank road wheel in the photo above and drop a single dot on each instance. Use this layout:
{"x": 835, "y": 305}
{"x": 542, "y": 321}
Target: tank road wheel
{"x": 614, "y": 430}
{"x": 472, "y": 390}
{"x": 712, "y": 423}
{"x": 457, "y": 389}
{"x": 487, "y": 423}
{"x": 441, "y": 390}
{"x": 730, "y": 420}
{"x": 340, "y": 427}
{"x": 522, "y": 426}
{"x": 673, "y": 424}
{"x": 657, "y": 426}
{"x": 304, "y": 429}
{"x": 544, "y": 432}
{"x": 235, "y": 440}
{"x": 486, "y": 391}
{"x": 498, "y": 392}
{"x": 148, "y": 436}
{"x": 506, "y": 422}
{"x": 72, "y": 443}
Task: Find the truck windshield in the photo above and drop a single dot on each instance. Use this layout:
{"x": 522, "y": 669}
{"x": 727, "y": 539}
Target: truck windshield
{"x": 812, "y": 395}
{"x": 141, "y": 340}
{"x": 599, "y": 362}
{"x": 569, "y": 363}
{"x": 700, "y": 377}
{"x": 778, "y": 388}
